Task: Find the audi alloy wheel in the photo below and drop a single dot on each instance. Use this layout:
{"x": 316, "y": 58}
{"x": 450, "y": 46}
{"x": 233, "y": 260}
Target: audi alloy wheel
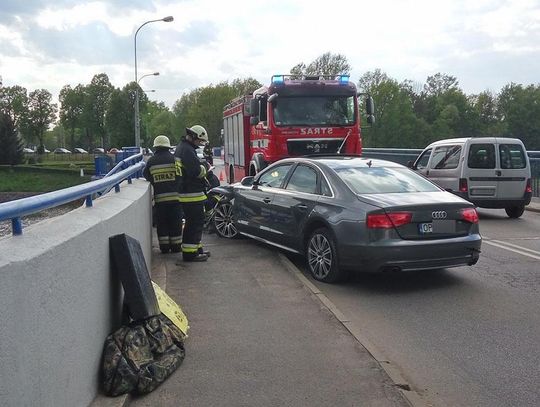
{"x": 321, "y": 256}
{"x": 223, "y": 221}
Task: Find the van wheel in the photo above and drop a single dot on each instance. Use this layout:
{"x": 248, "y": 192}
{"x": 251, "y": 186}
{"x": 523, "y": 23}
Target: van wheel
{"x": 515, "y": 211}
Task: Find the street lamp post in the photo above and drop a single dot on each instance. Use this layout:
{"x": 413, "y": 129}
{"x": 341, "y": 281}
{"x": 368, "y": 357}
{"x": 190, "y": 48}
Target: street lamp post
{"x": 137, "y": 119}
{"x": 137, "y": 125}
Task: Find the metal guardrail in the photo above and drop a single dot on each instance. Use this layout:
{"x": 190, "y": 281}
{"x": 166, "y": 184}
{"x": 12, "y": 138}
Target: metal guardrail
{"x": 129, "y": 168}
{"x": 403, "y": 155}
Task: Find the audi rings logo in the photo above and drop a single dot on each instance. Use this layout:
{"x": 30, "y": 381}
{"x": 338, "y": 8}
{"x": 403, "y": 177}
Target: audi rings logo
{"x": 439, "y": 215}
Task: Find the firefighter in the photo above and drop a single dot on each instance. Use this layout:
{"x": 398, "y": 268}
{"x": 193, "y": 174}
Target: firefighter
{"x": 163, "y": 171}
{"x": 192, "y": 194}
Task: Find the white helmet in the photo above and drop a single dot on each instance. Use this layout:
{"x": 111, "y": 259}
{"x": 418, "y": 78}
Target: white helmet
{"x": 198, "y": 132}
{"x": 162, "y": 141}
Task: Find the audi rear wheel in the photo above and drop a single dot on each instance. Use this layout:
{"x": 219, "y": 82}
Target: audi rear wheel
{"x": 322, "y": 257}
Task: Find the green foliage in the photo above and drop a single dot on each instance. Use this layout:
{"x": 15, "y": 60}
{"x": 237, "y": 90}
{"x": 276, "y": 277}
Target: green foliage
{"x": 120, "y": 115}
{"x": 204, "y": 106}
{"x": 14, "y": 102}
{"x": 11, "y": 151}
{"x": 408, "y": 114}
{"x": 71, "y": 110}
{"x": 40, "y": 115}
{"x": 326, "y": 64}
{"x": 519, "y": 110}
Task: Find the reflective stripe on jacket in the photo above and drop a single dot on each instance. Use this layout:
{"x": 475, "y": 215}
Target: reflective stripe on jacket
{"x": 193, "y": 173}
{"x": 164, "y": 172}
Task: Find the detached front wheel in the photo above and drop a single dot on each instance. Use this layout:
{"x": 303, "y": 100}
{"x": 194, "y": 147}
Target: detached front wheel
{"x": 322, "y": 257}
{"x": 223, "y": 221}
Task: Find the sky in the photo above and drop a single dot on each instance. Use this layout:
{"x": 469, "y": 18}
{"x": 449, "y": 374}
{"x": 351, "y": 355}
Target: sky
{"x": 485, "y": 44}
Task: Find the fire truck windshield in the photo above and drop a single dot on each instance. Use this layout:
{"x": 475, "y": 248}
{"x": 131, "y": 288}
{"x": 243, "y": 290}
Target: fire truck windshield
{"x": 314, "y": 111}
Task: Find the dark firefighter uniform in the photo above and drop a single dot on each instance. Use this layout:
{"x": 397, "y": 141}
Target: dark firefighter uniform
{"x": 192, "y": 197}
{"x": 163, "y": 171}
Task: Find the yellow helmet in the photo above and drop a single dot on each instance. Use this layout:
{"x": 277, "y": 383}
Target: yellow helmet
{"x": 162, "y": 141}
{"x": 198, "y": 132}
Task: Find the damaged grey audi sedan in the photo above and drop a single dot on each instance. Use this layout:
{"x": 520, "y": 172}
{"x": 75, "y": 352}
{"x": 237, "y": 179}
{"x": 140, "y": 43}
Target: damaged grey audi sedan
{"x": 350, "y": 213}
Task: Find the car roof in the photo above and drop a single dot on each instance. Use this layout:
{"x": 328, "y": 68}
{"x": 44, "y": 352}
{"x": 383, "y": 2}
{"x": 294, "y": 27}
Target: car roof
{"x": 478, "y": 140}
{"x": 337, "y": 160}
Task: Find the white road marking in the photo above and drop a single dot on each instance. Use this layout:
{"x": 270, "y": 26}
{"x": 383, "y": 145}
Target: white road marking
{"x": 514, "y": 248}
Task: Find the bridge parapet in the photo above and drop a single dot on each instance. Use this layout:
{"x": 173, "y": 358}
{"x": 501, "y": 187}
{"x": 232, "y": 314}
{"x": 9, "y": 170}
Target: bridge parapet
{"x": 59, "y": 299}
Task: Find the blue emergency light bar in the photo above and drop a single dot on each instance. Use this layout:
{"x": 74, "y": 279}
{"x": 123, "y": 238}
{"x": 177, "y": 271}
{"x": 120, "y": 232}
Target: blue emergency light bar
{"x": 342, "y": 79}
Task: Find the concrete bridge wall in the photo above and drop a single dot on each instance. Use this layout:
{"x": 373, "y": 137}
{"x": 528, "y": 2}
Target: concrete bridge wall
{"x": 59, "y": 299}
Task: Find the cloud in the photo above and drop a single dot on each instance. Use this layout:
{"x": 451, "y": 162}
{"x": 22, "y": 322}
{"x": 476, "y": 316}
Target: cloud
{"x": 90, "y": 44}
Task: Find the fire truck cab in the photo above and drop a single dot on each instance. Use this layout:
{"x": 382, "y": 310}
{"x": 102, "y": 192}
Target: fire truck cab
{"x": 291, "y": 117}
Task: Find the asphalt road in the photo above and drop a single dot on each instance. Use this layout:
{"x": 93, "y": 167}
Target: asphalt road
{"x": 467, "y": 336}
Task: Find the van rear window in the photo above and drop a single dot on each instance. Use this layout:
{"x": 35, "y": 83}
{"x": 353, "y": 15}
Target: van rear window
{"x": 481, "y": 156}
{"x": 512, "y": 156}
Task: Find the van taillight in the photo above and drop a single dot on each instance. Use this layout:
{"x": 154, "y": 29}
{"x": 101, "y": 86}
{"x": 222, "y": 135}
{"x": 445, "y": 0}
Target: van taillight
{"x": 469, "y": 215}
{"x": 388, "y": 220}
{"x": 528, "y": 187}
{"x": 463, "y": 187}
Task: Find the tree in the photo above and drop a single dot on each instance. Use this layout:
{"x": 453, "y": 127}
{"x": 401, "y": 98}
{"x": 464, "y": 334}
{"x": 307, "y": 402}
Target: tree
{"x": 71, "y": 109}
{"x": 519, "y": 110}
{"x": 14, "y": 102}
{"x": 396, "y": 124}
{"x": 440, "y": 83}
{"x": 96, "y": 102}
{"x": 41, "y": 114}
{"x": 12, "y": 150}
{"x": 204, "y": 106}
{"x": 247, "y": 86}
{"x": 120, "y": 114}
{"x": 158, "y": 120}
{"x": 326, "y": 64}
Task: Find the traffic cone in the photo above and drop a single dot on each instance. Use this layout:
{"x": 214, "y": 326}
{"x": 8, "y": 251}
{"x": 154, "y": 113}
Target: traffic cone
{"x": 82, "y": 172}
{"x": 222, "y": 175}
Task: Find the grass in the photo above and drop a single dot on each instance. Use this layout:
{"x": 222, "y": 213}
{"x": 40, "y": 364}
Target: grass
{"x": 13, "y": 181}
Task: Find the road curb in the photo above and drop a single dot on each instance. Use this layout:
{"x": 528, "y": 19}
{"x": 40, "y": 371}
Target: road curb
{"x": 535, "y": 208}
{"x": 410, "y": 395}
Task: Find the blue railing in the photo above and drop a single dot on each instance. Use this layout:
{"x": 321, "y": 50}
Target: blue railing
{"x": 129, "y": 168}
{"x": 403, "y": 155}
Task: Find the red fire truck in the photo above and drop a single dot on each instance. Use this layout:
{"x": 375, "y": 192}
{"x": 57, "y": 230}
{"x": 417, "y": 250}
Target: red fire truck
{"x": 291, "y": 117}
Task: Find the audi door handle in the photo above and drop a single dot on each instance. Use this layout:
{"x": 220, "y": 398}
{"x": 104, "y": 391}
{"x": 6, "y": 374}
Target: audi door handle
{"x": 301, "y": 207}
{"x": 267, "y": 200}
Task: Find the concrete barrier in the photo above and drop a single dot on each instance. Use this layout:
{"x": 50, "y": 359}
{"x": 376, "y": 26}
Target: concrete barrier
{"x": 59, "y": 299}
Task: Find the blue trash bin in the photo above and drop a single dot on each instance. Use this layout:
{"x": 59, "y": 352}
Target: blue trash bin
{"x": 100, "y": 163}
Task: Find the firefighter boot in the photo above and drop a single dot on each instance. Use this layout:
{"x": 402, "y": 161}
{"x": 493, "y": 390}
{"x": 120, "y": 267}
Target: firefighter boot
{"x": 202, "y": 251}
{"x": 198, "y": 258}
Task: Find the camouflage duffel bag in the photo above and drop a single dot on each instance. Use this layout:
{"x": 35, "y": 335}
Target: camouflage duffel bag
{"x": 139, "y": 357}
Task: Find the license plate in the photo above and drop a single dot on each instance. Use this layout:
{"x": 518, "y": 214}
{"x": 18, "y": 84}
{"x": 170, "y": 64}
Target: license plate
{"x": 424, "y": 228}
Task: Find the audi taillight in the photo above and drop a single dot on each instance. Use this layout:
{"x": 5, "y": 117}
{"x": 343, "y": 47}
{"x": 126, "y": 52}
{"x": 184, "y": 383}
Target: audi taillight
{"x": 463, "y": 187}
{"x": 469, "y": 215}
{"x": 388, "y": 220}
{"x": 528, "y": 187}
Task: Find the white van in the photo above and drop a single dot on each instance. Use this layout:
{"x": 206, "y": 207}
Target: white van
{"x": 491, "y": 172}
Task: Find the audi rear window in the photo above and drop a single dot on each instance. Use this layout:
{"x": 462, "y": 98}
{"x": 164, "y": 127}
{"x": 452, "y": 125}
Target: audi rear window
{"x": 384, "y": 180}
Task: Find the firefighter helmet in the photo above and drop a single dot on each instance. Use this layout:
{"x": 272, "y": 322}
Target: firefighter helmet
{"x": 162, "y": 141}
{"x": 198, "y": 132}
